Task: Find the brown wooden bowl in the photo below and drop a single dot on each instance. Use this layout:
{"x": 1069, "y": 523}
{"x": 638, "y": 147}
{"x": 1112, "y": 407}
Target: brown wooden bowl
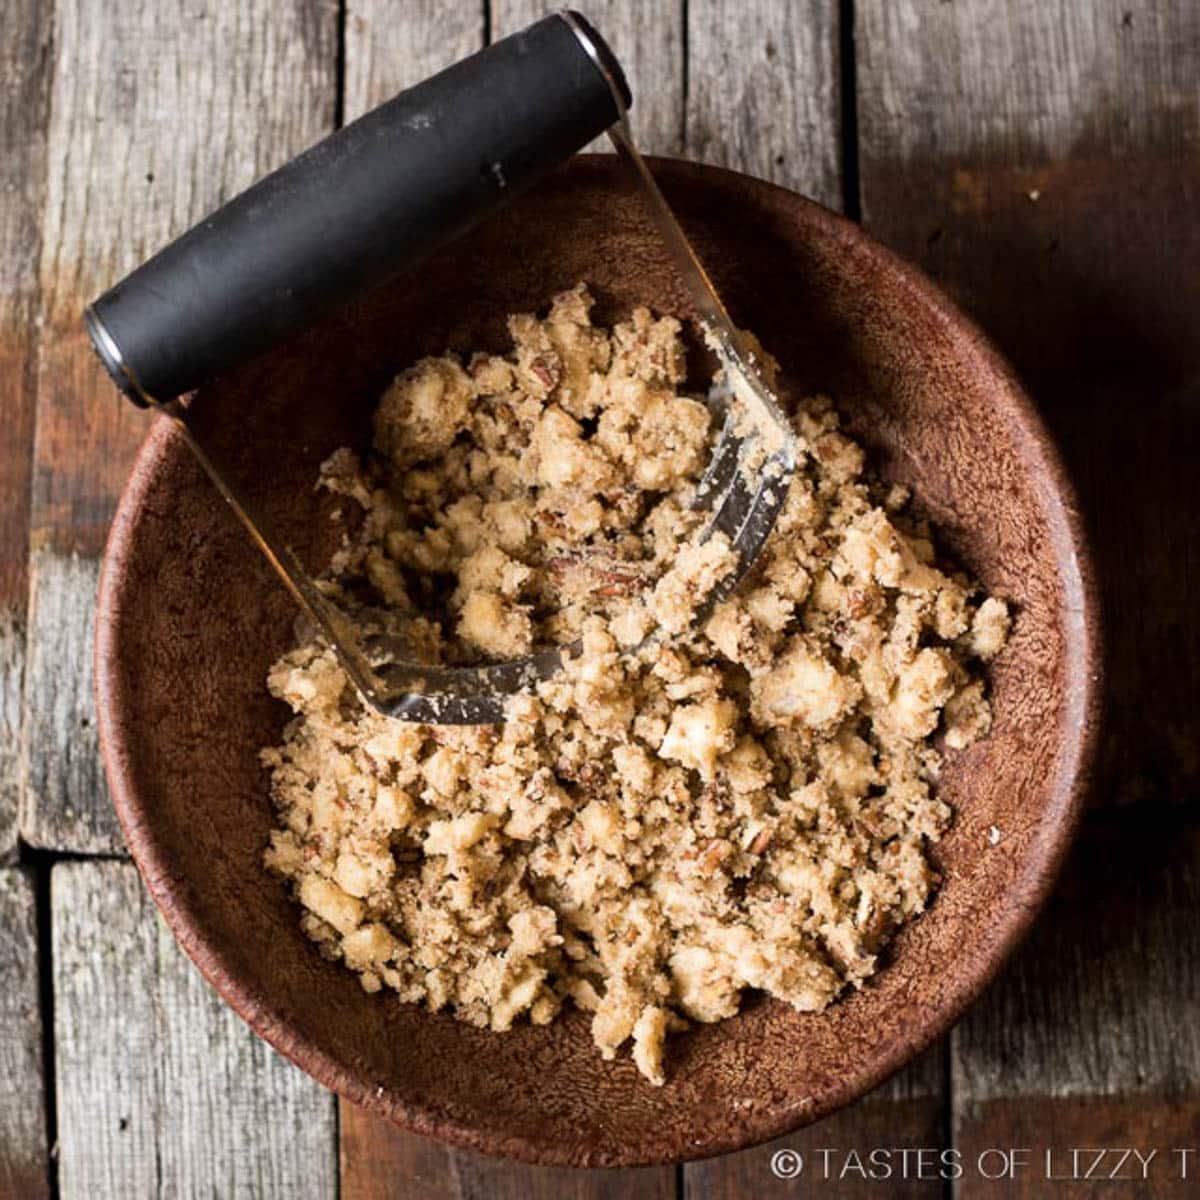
{"x": 190, "y": 618}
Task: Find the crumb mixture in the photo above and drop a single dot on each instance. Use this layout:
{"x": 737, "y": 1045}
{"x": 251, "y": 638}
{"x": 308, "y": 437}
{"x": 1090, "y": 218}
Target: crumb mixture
{"x": 744, "y": 805}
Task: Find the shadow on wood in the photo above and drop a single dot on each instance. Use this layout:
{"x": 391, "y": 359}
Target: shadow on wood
{"x": 1087, "y": 282}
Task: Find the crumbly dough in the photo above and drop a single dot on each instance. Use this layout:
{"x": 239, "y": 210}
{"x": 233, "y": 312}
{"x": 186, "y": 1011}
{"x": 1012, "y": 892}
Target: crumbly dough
{"x": 746, "y": 805}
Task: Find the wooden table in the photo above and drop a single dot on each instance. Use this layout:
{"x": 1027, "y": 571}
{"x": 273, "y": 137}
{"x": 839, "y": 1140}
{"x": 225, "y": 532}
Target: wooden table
{"x": 1040, "y": 158}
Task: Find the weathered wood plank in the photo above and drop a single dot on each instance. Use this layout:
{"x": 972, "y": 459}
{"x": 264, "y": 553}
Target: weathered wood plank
{"x": 65, "y": 798}
{"x": 1079, "y": 1149}
{"x": 12, "y": 670}
{"x": 156, "y": 114}
{"x": 162, "y": 1091}
{"x": 1104, "y": 999}
{"x": 1092, "y": 1037}
{"x": 906, "y": 1114}
{"x": 387, "y": 51}
{"x": 648, "y": 40}
{"x": 764, "y": 96}
{"x": 23, "y": 93}
{"x": 24, "y": 1149}
{"x": 384, "y": 54}
{"x": 1041, "y": 161}
{"x": 764, "y": 91}
{"x": 382, "y": 1162}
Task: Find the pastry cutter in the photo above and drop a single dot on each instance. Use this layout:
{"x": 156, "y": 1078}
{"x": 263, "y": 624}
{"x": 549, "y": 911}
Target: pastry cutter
{"x": 372, "y": 200}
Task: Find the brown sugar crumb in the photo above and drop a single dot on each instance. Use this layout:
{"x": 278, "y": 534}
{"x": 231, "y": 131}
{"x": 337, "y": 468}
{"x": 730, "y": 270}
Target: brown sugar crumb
{"x": 669, "y": 821}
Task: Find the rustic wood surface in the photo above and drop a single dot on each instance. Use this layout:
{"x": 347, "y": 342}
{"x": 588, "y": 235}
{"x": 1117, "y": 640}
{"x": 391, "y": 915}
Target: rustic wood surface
{"x": 906, "y": 1113}
{"x": 161, "y": 1089}
{"x": 383, "y": 55}
{"x": 380, "y": 1162}
{"x": 157, "y": 112}
{"x": 23, "y": 1165}
{"x": 24, "y": 62}
{"x": 1038, "y": 157}
{"x": 1040, "y": 161}
{"x": 766, "y": 92}
{"x": 1051, "y": 1057}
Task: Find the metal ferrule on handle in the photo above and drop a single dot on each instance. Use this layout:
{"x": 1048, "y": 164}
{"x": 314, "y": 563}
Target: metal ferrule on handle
{"x": 358, "y": 208}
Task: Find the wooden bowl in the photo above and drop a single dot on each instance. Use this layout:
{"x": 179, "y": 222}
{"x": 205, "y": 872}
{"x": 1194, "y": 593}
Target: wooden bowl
{"x": 190, "y": 618}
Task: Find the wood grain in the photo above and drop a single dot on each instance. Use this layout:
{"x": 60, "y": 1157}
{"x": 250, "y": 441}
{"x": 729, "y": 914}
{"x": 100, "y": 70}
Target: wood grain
{"x": 385, "y": 54}
{"x": 64, "y": 799}
{"x": 24, "y": 1151}
{"x": 764, "y": 91}
{"x": 12, "y": 671}
{"x": 1038, "y": 158}
{"x": 764, "y": 97}
{"x": 383, "y": 1162}
{"x": 908, "y": 1113}
{"x": 1041, "y": 160}
{"x": 23, "y": 93}
{"x": 648, "y": 40}
{"x": 1049, "y": 1130}
{"x": 1093, "y": 1036}
{"x": 1104, "y": 1000}
{"x": 162, "y": 1091}
{"x": 157, "y": 113}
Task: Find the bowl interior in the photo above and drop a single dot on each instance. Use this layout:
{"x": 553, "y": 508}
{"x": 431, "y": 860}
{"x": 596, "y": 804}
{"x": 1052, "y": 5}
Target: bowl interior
{"x": 191, "y": 618}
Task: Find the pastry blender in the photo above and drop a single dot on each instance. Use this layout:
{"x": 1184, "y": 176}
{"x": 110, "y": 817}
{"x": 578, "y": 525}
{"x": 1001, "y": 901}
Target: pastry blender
{"x": 371, "y": 200}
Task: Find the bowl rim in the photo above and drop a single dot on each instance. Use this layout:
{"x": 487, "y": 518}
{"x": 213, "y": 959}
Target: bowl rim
{"x": 1079, "y": 603}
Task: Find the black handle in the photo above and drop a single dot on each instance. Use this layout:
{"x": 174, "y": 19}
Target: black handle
{"x": 357, "y": 208}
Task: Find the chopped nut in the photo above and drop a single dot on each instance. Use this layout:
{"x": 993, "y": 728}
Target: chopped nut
{"x": 680, "y": 814}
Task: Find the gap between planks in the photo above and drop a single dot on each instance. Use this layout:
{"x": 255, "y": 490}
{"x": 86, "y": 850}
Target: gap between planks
{"x": 24, "y": 61}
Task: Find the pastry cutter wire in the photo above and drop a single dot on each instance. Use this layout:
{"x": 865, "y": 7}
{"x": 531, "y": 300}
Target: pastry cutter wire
{"x": 744, "y": 486}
